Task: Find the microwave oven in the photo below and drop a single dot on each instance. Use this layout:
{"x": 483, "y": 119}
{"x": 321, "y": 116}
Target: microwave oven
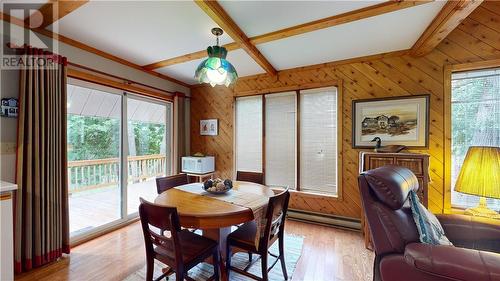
{"x": 198, "y": 165}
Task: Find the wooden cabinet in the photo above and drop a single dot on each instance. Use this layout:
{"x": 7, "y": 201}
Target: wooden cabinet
{"x": 417, "y": 163}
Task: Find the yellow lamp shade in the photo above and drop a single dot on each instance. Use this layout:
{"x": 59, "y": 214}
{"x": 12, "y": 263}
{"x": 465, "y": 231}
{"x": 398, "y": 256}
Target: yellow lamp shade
{"x": 480, "y": 173}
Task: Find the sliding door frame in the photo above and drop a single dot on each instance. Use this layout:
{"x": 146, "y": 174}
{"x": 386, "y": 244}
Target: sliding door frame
{"x": 125, "y": 151}
{"x": 125, "y": 218}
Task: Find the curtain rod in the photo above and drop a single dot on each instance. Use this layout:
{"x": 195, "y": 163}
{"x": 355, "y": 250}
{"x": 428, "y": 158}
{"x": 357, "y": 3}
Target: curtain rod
{"x": 128, "y": 81}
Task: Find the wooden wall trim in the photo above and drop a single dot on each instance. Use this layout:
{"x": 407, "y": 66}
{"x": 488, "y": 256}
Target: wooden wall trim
{"x": 287, "y": 88}
{"x": 475, "y": 65}
{"x": 125, "y": 80}
{"x": 340, "y": 142}
{"x": 89, "y": 77}
{"x": 447, "y": 137}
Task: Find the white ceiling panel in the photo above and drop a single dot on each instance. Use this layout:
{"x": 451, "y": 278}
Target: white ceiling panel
{"x": 183, "y": 71}
{"x": 389, "y": 32}
{"x": 259, "y": 17}
{"x": 243, "y": 63}
{"x": 140, "y": 31}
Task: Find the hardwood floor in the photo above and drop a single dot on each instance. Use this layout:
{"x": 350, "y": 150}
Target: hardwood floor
{"x": 328, "y": 254}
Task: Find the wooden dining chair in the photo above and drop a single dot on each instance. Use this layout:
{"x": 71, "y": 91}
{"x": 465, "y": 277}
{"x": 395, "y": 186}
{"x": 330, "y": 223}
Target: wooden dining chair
{"x": 181, "y": 251}
{"x": 166, "y": 183}
{"x": 274, "y": 229}
{"x": 250, "y": 177}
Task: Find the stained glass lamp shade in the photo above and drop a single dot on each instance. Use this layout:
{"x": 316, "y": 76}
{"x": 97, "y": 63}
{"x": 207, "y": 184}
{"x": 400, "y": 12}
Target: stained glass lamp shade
{"x": 216, "y": 70}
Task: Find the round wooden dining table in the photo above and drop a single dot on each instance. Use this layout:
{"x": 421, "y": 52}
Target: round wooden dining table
{"x": 209, "y": 214}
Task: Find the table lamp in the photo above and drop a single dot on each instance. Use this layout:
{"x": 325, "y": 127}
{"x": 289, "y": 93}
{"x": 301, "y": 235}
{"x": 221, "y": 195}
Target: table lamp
{"x": 480, "y": 176}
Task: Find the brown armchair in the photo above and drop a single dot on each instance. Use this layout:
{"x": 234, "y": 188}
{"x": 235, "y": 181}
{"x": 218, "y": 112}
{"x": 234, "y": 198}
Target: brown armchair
{"x": 399, "y": 255}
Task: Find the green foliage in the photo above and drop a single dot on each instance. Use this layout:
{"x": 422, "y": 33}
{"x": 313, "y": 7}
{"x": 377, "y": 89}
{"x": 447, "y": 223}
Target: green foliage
{"x": 475, "y": 114}
{"x": 93, "y": 137}
{"x": 99, "y": 138}
{"x": 148, "y": 137}
{"x": 475, "y": 117}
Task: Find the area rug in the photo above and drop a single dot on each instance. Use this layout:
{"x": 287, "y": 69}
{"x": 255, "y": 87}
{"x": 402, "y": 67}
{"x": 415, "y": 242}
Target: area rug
{"x": 293, "y": 250}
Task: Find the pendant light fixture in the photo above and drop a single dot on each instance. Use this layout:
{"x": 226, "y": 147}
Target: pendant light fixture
{"x": 216, "y": 70}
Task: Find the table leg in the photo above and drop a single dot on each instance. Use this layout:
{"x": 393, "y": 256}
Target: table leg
{"x": 220, "y": 235}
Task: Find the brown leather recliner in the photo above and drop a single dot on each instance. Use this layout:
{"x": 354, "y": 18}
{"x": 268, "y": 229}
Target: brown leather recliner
{"x": 399, "y": 254}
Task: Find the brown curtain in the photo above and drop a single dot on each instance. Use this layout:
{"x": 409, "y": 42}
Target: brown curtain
{"x": 41, "y": 223}
{"x": 180, "y": 115}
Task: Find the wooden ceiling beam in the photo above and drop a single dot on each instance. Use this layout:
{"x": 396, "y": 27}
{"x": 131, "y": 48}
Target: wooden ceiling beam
{"x": 52, "y": 12}
{"x": 90, "y": 49}
{"x": 188, "y": 57}
{"x": 359, "y": 14}
{"x": 215, "y": 11}
{"x": 450, "y": 16}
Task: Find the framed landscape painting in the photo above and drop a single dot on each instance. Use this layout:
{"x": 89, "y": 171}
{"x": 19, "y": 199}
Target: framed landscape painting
{"x": 395, "y": 120}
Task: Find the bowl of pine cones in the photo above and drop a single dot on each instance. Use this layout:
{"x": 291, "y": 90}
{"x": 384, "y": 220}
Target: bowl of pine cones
{"x": 217, "y": 186}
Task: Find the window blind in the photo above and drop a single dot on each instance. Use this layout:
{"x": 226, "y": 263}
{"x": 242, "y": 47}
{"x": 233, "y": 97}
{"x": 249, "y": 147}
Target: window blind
{"x": 475, "y": 120}
{"x": 249, "y": 134}
{"x": 280, "y": 139}
{"x": 318, "y": 140}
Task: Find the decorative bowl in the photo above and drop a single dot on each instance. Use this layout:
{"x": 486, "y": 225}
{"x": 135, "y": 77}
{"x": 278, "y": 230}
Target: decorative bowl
{"x": 217, "y": 186}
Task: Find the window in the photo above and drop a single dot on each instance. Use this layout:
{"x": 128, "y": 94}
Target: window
{"x": 304, "y": 121}
{"x": 249, "y": 134}
{"x": 280, "y": 140}
{"x": 318, "y": 140}
{"x": 104, "y": 125}
{"x": 475, "y": 120}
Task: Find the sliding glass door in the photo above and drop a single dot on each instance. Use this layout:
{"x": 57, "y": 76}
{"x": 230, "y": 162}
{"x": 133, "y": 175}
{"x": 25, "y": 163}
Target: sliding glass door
{"x": 94, "y": 138}
{"x": 105, "y": 125}
{"x": 147, "y": 135}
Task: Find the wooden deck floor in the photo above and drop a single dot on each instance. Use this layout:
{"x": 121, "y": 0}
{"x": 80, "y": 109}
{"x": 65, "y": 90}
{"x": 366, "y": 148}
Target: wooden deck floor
{"x": 328, "y": 254}
{"x": 92, "y": 208}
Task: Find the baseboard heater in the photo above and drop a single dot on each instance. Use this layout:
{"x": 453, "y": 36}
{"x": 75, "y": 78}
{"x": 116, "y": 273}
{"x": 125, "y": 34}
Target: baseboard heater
{"x": 324, "y": 219}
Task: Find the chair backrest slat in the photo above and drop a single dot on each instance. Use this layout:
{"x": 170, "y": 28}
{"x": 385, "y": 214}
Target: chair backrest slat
{"x": 164, "y": 219}
{"x": 250, "y": 177}
{"x": 166, "y": 183}
{"x": 275, "y": 218}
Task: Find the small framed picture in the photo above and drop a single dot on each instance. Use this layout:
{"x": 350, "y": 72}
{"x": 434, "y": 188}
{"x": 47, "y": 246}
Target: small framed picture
{"x": 209, "y": 127}
{"x": 9, "y": 107}
{"x": 395, "y": 120}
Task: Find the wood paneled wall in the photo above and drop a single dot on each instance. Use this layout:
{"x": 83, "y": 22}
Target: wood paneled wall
{"x": 476, "y": 39}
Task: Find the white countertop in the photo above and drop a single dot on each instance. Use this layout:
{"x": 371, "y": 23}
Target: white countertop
{"x": 7, "y": 186}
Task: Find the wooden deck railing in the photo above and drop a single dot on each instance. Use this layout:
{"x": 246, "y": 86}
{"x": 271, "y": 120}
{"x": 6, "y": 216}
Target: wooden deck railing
{"x": 90, "y": 174}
